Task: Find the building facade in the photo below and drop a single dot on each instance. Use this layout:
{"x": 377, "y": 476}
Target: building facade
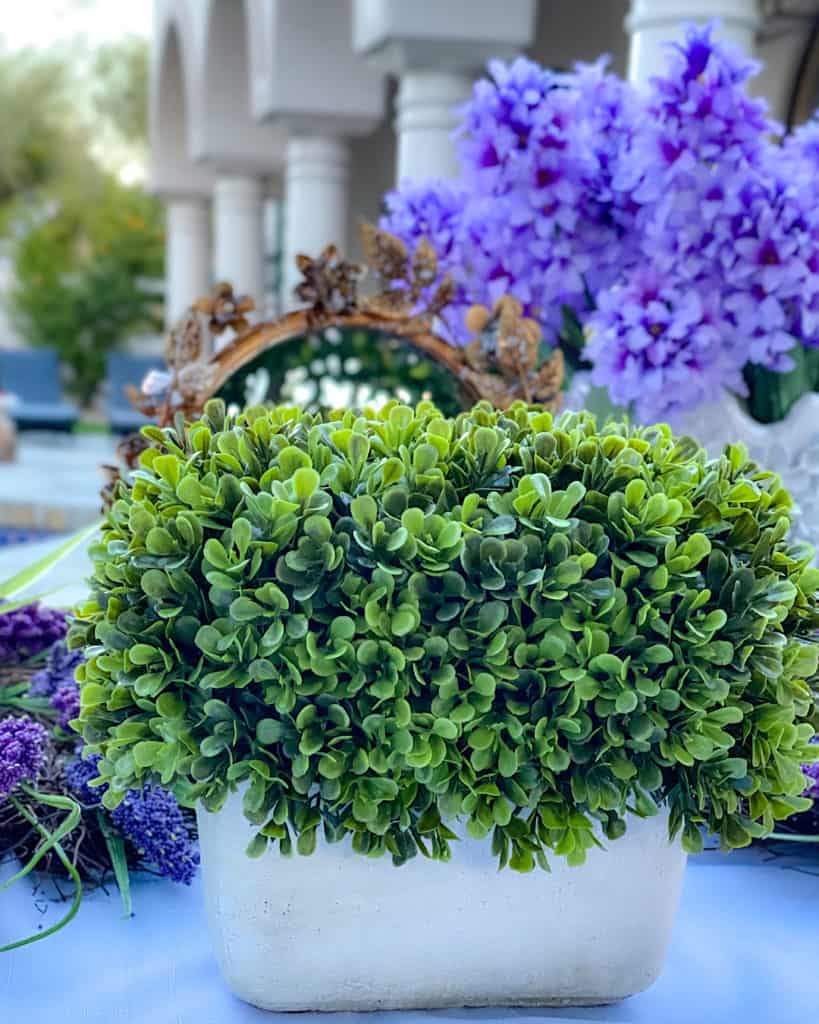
{"x": 277, "y": 125}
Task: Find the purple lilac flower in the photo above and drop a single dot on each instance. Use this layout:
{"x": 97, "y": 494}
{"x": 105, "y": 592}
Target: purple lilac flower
{"x": 499, "y": 123}
{"x": 66, "y": 701}
{"x": 78, "y": 773}
{"x": 152, "y": 821}
{"x": 716, "y": 220}
{"x": 433, "y": 211}
{"x": 28, "y": 631}
{"x": 22, "y": 751}
{"x": 58, "y": 669}
{"x": 658, "y": 346}
{"x": 430, "y": 210}
{"x": 579, "y": 190}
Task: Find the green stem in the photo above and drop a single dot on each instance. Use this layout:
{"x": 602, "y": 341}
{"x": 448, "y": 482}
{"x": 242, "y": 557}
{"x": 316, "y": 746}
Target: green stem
{"x": 10, "y": 698}
{"x": 795, "y": 838}
{"x": 116, "y": 851}
{"x": 52, "y": 839}
{"x": 73, "y": 874}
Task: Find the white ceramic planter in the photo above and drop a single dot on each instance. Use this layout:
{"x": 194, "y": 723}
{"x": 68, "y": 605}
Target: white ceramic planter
{"x": 338, "y": 931}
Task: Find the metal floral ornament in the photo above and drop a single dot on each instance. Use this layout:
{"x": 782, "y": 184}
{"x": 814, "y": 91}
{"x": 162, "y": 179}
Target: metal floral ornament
{"x": 505, "y": 362}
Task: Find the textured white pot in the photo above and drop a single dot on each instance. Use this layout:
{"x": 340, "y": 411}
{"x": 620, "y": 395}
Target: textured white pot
{"x": 339, "y": 931}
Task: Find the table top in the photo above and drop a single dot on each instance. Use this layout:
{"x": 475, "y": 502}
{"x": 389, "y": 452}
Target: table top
{"x": 744, "y": 949}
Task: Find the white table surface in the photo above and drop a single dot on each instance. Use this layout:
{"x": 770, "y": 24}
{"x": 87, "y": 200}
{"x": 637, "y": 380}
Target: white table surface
{"x": 745, "y": 949}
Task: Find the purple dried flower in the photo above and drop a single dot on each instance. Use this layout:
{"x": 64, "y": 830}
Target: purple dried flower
{"x": 66, "y": 701}
{"x": 152, "y": 821}
{"x": 78, "y": 773}
{"x": 22, "y": 751}
{"x": 58, "y": 669}
{"x": 30, "y": 630}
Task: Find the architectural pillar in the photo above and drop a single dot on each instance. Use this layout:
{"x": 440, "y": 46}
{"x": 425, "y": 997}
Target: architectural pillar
{"x": 652, "y": 24}
{"x": 426, "y": 115}
{"x": 436, "y": 50}
{"x": 316, "y": 201}
{"x": 187, "y": 255}
{"x": 238, "y": 235}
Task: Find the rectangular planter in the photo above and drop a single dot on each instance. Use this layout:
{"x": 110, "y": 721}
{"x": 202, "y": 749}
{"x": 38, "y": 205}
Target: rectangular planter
{"x": 339, "y": 931}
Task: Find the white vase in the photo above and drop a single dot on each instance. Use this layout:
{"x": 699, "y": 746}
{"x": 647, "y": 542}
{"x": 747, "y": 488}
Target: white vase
{"x": 789, "y": 448}
{"x": 339, "y": 931}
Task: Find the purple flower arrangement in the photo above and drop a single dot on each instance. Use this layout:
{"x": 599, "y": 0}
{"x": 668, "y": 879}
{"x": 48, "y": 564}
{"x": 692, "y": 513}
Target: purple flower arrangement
{"x": 22, "y": 752}
{"x": 40, "y": 750}
{"x": 673, "y": 225}
{"x": 28, "y": 631}
{"x": 151, "y": 820}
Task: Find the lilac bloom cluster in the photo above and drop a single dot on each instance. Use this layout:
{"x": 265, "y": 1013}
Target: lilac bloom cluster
{"x": 22, "y": 752}
{"x": 28, "y": 631}
{"x": 56, "y": 681}
{"x": 58, "y": 670}
{"x": 66, "y": 702}
{"x": 534, "y": 215}
{"x": 717, "y": 222}
{"x": 78, "y": 773}
{"x": 150, "y": 819}
{"x": 578, "y": 191}
{"x": 658, "y": 345}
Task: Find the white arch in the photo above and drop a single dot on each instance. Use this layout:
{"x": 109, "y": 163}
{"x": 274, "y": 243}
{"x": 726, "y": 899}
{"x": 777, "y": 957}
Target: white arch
{"x": 223, "y": 130}
{"x": 171, "y": 103}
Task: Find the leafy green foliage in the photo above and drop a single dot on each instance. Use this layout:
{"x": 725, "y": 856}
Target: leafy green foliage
{"x": 41, "y": 140}
{"x": 378, "y": 622}
{"x": 81, "y": 275}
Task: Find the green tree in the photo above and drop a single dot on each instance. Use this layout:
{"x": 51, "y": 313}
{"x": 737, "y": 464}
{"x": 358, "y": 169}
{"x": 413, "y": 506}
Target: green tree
{"x": 120, "y": 87}
{"x": 84, "y": 273}
{"x": 43, "y": 139}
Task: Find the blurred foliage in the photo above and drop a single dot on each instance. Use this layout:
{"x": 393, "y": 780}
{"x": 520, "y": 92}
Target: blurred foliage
{"x": 120, "y": 86}
{"x": 353, "y": 368}
{"x": 83, "y": 274}
{"x": 88, "y": 249}
{"x": 773, "y": 395}
{"x": 41, "y": 140}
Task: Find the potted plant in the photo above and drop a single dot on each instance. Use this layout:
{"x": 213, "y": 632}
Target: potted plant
{"x": 405, "y": 651}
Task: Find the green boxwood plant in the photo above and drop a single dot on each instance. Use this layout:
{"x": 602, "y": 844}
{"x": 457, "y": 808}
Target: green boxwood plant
{"x": 377, "y": 623}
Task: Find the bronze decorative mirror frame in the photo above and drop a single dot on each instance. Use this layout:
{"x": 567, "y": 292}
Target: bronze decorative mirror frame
{"x": 503, "y": 362}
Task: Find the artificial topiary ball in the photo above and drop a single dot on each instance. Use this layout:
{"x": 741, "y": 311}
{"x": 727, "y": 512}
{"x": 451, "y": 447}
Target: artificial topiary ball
{"x": 380, "y": 622}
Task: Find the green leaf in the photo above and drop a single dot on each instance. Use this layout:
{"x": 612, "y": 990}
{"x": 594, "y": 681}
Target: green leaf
{"x": 42, "y": 566}
{"x": 305, "y": 482}
{"x": 147, "y": 753}
{"x": 269, "y": 731}
{"x": 115, "y": 845}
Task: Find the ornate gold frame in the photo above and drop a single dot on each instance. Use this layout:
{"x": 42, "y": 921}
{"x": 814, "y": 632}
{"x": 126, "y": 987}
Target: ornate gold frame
{"x": 502, "y": 363}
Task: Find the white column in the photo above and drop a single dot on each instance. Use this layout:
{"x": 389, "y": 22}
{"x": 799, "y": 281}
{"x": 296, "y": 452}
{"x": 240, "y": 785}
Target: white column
{"x": 426, "y": 115}
{"x": 316, "y": 201}
{"x": 238, "y": 235}
{"x": 187, "y": 255}
{"x": 653, "y": 23}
